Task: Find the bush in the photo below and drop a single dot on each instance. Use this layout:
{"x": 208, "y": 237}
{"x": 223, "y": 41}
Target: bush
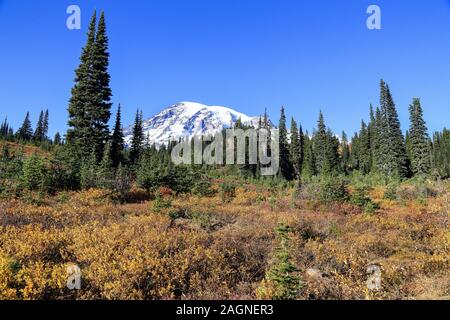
{"x": 202, "y": 188}
{"x": 333, "y": 189}
{"x": 35, "y": 173}
{"x": 227, "y": 191}
{"x": 361, "y": 199}
{"x": 391, "y": 192}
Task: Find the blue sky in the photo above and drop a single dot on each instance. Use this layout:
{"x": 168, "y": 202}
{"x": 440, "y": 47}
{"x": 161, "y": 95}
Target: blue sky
{"x": 248, "y": 55}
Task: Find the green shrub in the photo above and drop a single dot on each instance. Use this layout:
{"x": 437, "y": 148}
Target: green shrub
{"x": 283, "y": 274}
{"x": 161, "y": 203}
{"x": 391, "y": 192}
{"x": 333, "y": 189}
{"x": 227, "y": 191}
{"x": 35, "y": 175}
{"x": 202, "y": 188}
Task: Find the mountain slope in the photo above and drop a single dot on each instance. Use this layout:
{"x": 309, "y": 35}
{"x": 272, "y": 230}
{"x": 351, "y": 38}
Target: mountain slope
{"x": 188, "y": 119}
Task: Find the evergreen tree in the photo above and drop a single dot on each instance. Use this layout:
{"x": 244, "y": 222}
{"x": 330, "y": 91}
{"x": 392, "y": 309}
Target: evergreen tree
{"x": 364, "y": 149}
{"x": 45, "y": 126}
{"x": 34, "y": 173}
{"x": 419, "y": 140}
{"x": 25, "y": 132}
{"x": 89, "y": 171}
{"x": 101, "y": 110}
{"x": 309, "y": 163}
{"x": 117, "y": 141}
{"x": 286, "y": 168}
{"x": 441, "y": 154}
{"x": 4, "y": 129}
{"x": 83, "y": 96}
{"x": 295, "y": 148}
{"x": 345, "y": 153}
{"x": 394, "y": 160}
{"x": 89, "y": 108}
{"x": 325, "y": 148}
{"x": 374, "y": 137}
{"x": 301, "y": 136}
{"x": 106, "y": 171}
{"x": 38, "y": 133}
{"x": 57, "y": 139}
{"x": 137, "y": 139}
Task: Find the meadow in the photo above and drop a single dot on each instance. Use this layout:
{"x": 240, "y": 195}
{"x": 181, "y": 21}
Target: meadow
{"x": 252, "y": 241}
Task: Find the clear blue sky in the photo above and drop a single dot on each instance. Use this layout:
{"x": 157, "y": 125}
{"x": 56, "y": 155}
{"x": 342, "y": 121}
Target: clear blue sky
{"x": 245, "y": 54}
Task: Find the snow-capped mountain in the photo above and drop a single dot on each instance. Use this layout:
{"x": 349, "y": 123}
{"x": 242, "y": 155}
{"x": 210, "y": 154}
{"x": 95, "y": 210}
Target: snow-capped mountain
{"x": 189, "y": 119}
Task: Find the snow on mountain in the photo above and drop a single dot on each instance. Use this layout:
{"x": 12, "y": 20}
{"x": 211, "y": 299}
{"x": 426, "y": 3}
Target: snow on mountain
{"x": 189, "y": 119}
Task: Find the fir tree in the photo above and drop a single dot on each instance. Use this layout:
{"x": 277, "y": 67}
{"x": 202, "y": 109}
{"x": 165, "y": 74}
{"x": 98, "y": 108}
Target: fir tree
{"x": 345, "y": 153}
{"x": 364, "y": 149}
{"x": 309, "y": 163}
{"x": 4, "y": 129}
{"x": 117, "y": 141}
{"x": 137, "y": 139}
{"x": 105, "y": 172}
{"x": 45, "y": 125}
{"x": 325, "y": 148}
{"x": 392, "y": 143}
{"x": 83, "y": 96}
{"x": 89, "y": 108}
{"x": 38, "y": 132}
{"x": 419, "y": 140}
{"x": 101, "y": 110}
{"x": 286, "y": 168}
{"x": 295, "y": 148}
{"x": 441, "y": 154}
{"x": 57, "y": 139}
{"x": 25, "y": 133}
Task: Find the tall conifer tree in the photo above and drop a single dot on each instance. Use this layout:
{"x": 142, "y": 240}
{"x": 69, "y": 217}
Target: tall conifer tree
{"x": 117, "y": 141}
{"x": 419, "y": 140}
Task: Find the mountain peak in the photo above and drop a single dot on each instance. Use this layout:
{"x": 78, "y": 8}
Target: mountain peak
{"x": 189, "y": 119}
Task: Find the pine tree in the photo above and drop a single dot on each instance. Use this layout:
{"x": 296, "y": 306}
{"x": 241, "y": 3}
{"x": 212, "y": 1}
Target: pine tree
{"x": 419, "y": 140}
{"x": 25, "y": 133}
{"x": 117, "y": 141}
{"x": 137, "y": 139}
{"x": 295, "y": 148}
{"x": 286, "y": 168}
